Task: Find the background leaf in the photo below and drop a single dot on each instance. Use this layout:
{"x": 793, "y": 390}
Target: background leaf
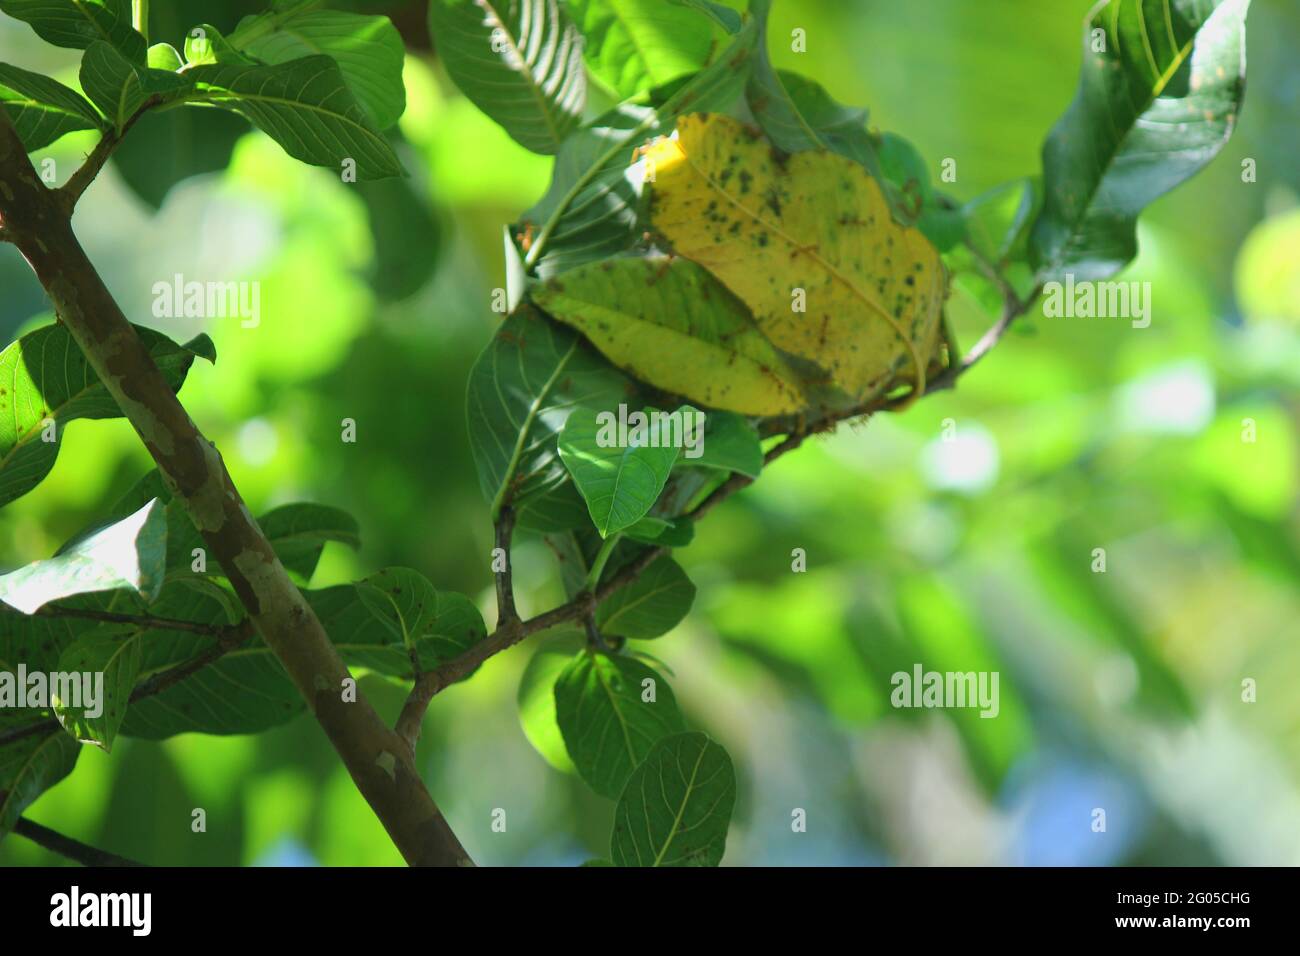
{"x": 519, "y": 61}
{"x": 608, "y": 728}
{"x": 676, "y": 806}
{"x": 636, "y": 45}
{"x": 30, "y": 766}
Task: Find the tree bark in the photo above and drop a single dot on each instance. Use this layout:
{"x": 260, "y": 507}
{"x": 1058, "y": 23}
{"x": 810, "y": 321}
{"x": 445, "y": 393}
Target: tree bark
{"x": 34, "y": 219}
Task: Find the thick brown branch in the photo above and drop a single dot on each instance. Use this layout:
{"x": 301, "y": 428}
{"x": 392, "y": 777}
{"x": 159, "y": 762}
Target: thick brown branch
{"x": 376, "y": 757}
{"x": 66, "y": 846}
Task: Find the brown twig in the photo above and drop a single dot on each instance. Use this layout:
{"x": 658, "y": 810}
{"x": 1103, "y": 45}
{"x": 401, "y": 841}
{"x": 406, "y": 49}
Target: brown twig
{"x": 229, "y": 638}
{"x": 74, "y": 850}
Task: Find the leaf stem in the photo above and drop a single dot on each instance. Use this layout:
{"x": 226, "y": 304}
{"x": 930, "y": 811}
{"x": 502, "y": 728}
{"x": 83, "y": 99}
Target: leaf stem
{"x": 602, "y": 558}
{"x": 140, "y": 17}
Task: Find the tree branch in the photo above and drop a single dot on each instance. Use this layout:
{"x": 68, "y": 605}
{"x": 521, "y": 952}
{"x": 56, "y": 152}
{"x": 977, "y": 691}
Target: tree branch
{"x": 74, "y": 850}
{"x": 583, "y": 606}
{"x": 376, "y": 757}
{"x": 142, "y": 621}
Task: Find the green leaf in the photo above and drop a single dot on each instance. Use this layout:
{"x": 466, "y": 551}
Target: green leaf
{"x": 653, "y": 604}
{"x": 113, "y": 658}
{"x": 521, "y": 391}
{"x": 730, "y": 444}
{"x": 130, "y": 554}
{"x": 121, "y": 88}
{"x": 676, "y": 806}
{"x": 246, "y": 691}
{"x": 635, "y": 45}
{"x": 608, "y": 724}
{"x": 299, "y": 532}
{"x": 396, "y": 623}
{"x": 667, "y": 321}
{"x": 79, "y": 23}
{"x": 536, "y": 700}
{"x": 206, "y": 45}
{"x": 590, "y": 211}
{"x": 164, "y": 56}
{"x": 519, "y": 61}
{"x": 305, "y": 106}
{"x": 42, "y": 109}
{"x": 620, "y": 482}
{"x": 797, "y": 114}
{"x": 46, "y": 379}
{"x": 1154, "y": 107}
{"x": 368, "y": 49}
{"x": 30, "y": 766}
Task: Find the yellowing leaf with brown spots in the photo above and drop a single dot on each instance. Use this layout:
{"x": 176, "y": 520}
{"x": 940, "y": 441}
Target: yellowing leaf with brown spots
{"x": 768, "y": 226}
{"x": 669, "y": 323}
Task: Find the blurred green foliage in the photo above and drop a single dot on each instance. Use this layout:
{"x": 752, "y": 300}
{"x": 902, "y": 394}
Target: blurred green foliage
{"x": 1120, "y": 690}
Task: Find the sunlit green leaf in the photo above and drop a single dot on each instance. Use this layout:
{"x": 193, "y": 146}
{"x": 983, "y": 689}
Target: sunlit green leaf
{"x": 42, "y": 109}
{"x": 130, "y": 554}
{"x": 48, "y": 384}
{"x": 121, "y": 88}
{"x": 620, "y": 482}
{"x": 635, "y": 45}
{"x": 368, "y": 49}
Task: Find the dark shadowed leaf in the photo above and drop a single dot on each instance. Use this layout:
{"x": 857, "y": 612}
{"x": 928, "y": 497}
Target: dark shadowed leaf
{"x": 1153, "y": 107}
{"x": 651, "y": 605}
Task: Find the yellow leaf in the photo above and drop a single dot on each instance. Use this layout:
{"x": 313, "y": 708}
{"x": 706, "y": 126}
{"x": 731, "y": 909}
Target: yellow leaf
{"x": 670, "y": 323}
{"x": 812, "y": 230}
